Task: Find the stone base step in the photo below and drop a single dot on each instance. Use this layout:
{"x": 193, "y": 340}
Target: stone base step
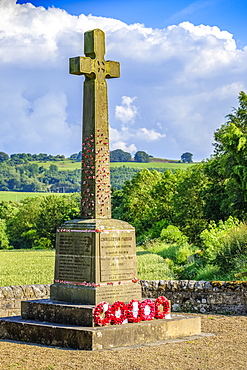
{"x": 58, "y": 312}
{"x": 98, "y": 338}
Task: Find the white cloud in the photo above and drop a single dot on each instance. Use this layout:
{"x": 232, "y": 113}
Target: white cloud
{"x": 149, "y": 135}
{"x": 127, "y": 111}
{"x": 122, "y": 145}
{"x": 186, "y": 78}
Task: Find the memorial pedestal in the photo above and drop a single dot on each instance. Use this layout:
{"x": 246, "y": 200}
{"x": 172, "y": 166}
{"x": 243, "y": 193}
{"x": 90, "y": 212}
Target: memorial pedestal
{"x": 71, "y": 326}
{"x": 95, "y": 262}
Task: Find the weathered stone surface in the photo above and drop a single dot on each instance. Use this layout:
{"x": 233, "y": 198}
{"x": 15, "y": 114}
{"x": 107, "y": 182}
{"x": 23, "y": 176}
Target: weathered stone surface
{"x": 7, "y": 292}
{"x": 201, "y": 296}
{"x": 95, "y": 251}
{"x": 28, "y": 291}
{"x": 58, "y": 312}
{"x": 94, "y": 295}
{"x": 95, "y": 191}
{"x": 100, "y": 337}
{"x": 104, "y": 257}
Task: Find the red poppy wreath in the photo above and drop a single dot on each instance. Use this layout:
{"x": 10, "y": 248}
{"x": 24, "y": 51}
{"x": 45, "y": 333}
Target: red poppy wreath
{"x": 133, "y": 311}
{"x": 147, "y": 310}
{"x": 119, "y": 312}
{"x": 102, "y": 314}
{"x": 161, "y": 301}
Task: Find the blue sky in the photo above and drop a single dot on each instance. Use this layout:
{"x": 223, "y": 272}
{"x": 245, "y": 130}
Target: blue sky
{"x": 229, "y": 15}
{"x": 183, "y": 64}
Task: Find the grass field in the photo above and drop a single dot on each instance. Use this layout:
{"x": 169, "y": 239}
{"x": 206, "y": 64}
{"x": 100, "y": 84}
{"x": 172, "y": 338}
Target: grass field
{"x": 170, "y": 166}
{"x": 68, "y": 165}
{"x": 17, "y": 196}
{"x": 25, "y": 267}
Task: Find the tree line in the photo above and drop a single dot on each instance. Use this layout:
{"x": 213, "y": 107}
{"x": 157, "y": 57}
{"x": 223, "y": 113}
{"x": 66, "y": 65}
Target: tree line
{"x": 34, "y": 178}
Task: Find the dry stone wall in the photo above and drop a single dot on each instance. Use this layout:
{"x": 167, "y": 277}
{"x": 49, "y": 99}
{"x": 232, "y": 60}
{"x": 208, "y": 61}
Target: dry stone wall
{"x": 185, "y": 295}
{"x": 200, "y": 296}
{"x": 11, "y": 297}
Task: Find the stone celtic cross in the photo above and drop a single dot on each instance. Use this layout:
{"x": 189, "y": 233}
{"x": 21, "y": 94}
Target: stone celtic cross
{"x": 95, "y": 187}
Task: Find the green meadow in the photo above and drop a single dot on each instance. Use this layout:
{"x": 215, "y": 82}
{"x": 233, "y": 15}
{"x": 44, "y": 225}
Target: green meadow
{"x": 24, "y": 267}
{"x": 158, "y": 165}
{"x": 68, "y": 165}
{"x": 17, "y": 196}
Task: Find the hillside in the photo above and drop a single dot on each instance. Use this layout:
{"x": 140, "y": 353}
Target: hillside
{"x": 61, "y": 175}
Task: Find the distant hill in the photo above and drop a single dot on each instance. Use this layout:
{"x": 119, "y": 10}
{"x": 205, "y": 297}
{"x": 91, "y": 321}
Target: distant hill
{"x": 43, "y": 173}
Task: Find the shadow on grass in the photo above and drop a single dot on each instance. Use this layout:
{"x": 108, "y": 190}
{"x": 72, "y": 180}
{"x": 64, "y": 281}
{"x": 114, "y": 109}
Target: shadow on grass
{"x": 141, "y": 253}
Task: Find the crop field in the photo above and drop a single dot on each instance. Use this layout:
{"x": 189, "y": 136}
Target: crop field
{"x": 25, "y": 267}
{"x": 17, "y": 196}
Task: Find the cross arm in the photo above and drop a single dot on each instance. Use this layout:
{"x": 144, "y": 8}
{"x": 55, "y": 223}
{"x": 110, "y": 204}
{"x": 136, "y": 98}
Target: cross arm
{"x": 112, "y": 69}
{"x": 80, "y": 66}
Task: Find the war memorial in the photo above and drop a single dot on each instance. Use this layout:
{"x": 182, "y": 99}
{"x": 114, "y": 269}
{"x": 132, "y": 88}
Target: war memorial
{"x": 95, "y": 264}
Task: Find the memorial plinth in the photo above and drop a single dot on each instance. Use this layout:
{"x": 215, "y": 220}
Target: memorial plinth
{"x": 95, "y": 262}
{"x": 95, "y": 254}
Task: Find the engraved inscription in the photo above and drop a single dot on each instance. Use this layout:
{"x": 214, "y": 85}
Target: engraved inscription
{"x": 117, "y": 256}
{"x": 74, "y": 257}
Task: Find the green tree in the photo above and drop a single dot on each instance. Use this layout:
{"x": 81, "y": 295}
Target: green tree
{"x": 231, "y": 155}
{"x": 3, "y": 157}
{"x": 119, "y": 155}
{"x": 134, "y": 202}
{"x": 53, "y": 168}
{"x": 22, "y": 227}
{"x": 214, "y": 194}
{"x": 4, "y": 241}
{"x": 142, "y": 157}
{"x": 186, "y": 157}
{"x": 188, "y": 203}
{"x": 54, "y": 210}
{"x": 35, "y": 223}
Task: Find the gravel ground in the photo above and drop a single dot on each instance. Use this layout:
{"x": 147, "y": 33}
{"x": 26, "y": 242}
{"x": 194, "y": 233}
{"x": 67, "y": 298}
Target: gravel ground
{"x": 225, "y": 350}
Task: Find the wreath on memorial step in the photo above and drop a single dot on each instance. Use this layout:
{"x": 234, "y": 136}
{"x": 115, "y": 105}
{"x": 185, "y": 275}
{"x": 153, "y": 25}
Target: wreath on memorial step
{"x": 119, "y": 313}
{"x": 102, "y": 314}
{"x": 147, "y": 310}
{"x": 133, "y": 311}
{"x": 161, "y": 301}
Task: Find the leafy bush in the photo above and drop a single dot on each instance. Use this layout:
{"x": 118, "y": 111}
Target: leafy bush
{"x": 215, "y": 236}
{"x": 172, "y": 234}
{"x": 176, "y": 255}
{"x": 233, "y": 253}
{"x": 37, "y": 219}
{"x": 4, "y": 241}
{"x": 208, "y": 273}
{"x": 152, "y": 267}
